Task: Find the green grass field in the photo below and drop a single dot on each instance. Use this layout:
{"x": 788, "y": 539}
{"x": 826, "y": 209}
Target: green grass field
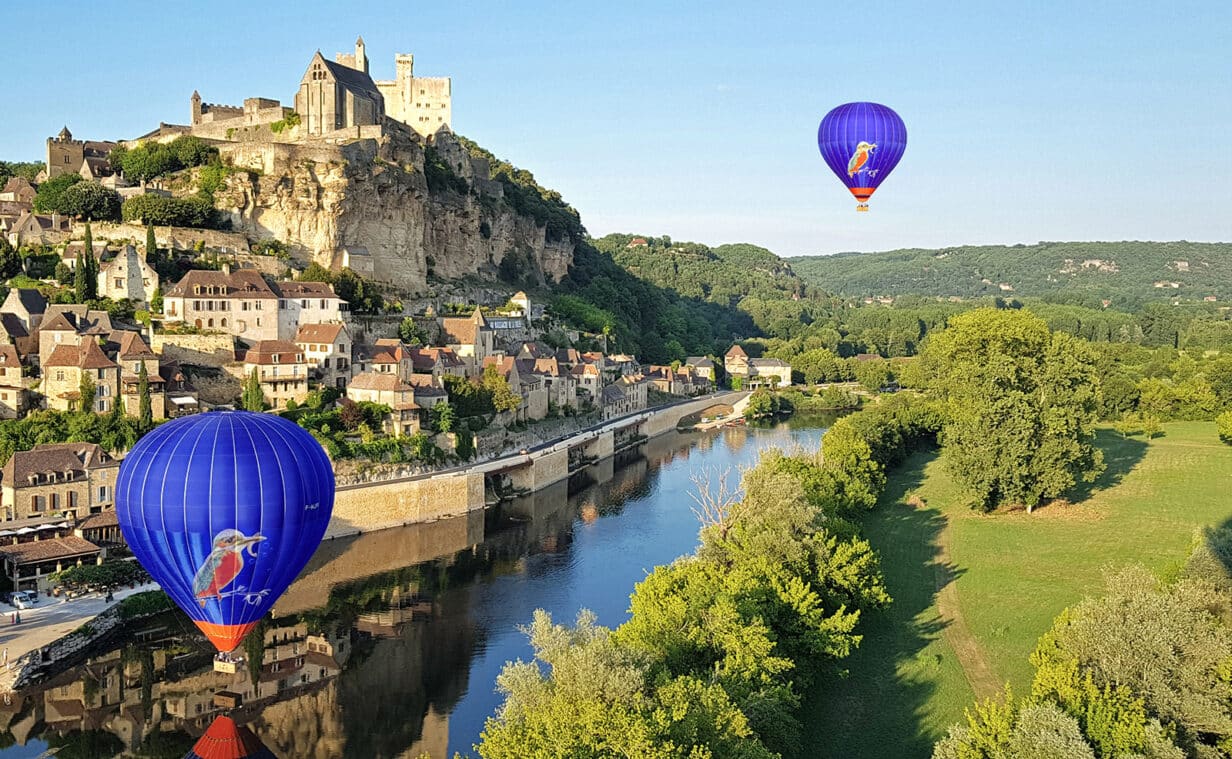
{"x": 1015, "y": 573}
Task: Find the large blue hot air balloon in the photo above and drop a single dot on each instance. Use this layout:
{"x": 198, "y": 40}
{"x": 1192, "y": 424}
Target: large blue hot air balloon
{"x": 223, "y": 509}
{"x": 862, "y": 143}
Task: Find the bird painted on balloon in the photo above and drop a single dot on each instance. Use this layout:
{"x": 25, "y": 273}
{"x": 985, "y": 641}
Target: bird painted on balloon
{"x": 223, "y": 564}
{"x": 860, "y": 157}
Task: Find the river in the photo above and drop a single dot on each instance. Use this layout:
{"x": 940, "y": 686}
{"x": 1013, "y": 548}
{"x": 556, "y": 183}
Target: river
{"x": 390, "y": 643}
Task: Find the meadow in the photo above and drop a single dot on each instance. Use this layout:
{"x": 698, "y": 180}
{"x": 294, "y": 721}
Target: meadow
{"x": 973, "y": 592}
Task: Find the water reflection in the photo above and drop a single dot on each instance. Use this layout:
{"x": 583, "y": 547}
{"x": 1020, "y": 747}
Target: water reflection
{"x": 388, "y": 645}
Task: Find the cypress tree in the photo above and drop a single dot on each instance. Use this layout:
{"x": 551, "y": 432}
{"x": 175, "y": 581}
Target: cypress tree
{"x": 82, "y": 279}
{"x": 252, "y": 398}
{"x": 145, "y": 416}
{"x": 151, "y": 246}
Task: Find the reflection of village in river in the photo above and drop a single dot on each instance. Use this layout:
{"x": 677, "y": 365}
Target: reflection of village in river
{"x": 417, "y": 623}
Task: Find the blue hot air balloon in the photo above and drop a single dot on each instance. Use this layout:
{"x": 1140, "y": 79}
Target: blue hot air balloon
{"x": 223, "y": 509}
{"x": 862, "y": 143}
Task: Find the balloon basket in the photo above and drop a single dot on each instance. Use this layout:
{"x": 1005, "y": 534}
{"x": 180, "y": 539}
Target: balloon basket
{"x": 227, "y": 664}
{"x": 862, "y": 207}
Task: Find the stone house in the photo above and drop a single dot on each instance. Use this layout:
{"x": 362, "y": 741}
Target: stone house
{"x": 307, "y": 303}
{"x": 623, "y": 397}
{"x": 388, "y": 389}
{"x": 13, "y": 393}
{"x": 71, "y": 253}
{"x": 71, "y": 324}
{"x": 13, "y": 332}
{"x": 27, "y": 304}
{"x": 133, "y": 354}
{"x": 181, "y": 395}
{"x": 428, "y": 390}
{"x": 665, "y": 379}
{"x": 240, "y": 303}
{"x": 327, "y": 349}
{"x": 35, "y": 228}
{"x": 469, "y": 337}
{"x": 756, "y": 372}
{"x": 63, "y": 371}
{"x": 70, "y": 480}
{"x": 701, "y": 367}
{"x": 127, "y": 275}
{"x": 66, "y": 155}
{"x": 519, "y": 373}
{"x": 437, "y": 362}
{"x": 281, "y": 369}
{"x": 588, "y": 381}
{"x": 560, "y": 385}
{"x": 18, "y": 190}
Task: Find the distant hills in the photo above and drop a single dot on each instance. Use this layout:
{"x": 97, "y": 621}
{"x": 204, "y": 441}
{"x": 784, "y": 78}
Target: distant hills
{"x": 1121, "y": 272}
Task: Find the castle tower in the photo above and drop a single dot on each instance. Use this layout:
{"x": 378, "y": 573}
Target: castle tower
{"x": 196, "y": 108}
{"x": 361, "y": 55}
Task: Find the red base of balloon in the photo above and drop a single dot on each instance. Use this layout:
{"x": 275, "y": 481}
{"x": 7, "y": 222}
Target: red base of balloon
{"x": 226, "y": 740}
{"x": 862, "y": 193}
{"x": 225, "y": 637}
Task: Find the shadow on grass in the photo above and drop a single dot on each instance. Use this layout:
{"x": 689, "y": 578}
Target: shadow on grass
{"x": 878, "y": 704}
{"x": 1121, "y": 455}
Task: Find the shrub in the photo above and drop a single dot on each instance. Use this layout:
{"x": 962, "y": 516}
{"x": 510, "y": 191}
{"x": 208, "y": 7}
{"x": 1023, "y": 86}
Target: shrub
{"x": 195, "y": 212}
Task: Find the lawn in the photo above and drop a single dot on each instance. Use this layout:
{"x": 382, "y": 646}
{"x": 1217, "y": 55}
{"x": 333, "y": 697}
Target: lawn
{"x": 1015, "y": 573}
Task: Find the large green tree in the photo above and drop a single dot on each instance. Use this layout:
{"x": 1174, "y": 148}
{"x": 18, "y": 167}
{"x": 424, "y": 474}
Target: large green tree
{"x": 252, "y": 398}
{"x": 1021, "y": 404}
{"x": 90, "y": 201}
{"x": 85, "y": 278}
{"x": 50, "y": 195}
{"x": 145, "y": 414}
{"x": 10, "y": 260}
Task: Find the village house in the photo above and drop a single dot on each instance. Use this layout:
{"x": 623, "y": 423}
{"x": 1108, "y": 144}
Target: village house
{"x": 469, "y": 337}
{"x": 64, "y": 369}
{"x": 281, "y": 370}
{"x": 243, "y": 304}
{"x": 702, "y": 368}
{"x": 327, "y": 349}
{"x": 588, "y": 381}
{"x": 132, "y": 355}
{"x": 127, "y": 275}
{"x": 625, "y": 396}
{"x": 756, "y": 372}
{"x": 62, "y": 480}
{"x": 27, "y": 304}
{"x": 66, "y": 155}
{"x": 13, "y": 332}
{"x": 665, "y": 379}
{"x": 560, "y": 385}
{"x": 13, "y": 393}
{"x": 523, "y": 381}
{"x": 387, "y": 389}
{"x": 437, "y": 362}
{"x": 71, "y": 324}
{"x": 18, "y": 190}
{"x": 182, "y": 397}
{"x": 428, "y": 390}
{"x": 37, "y": 229}
{"x": 72, "y": 252}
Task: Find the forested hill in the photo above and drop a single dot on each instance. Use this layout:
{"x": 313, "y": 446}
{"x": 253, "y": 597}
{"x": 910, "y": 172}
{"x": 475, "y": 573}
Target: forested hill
{"x": 1123, "y": 272}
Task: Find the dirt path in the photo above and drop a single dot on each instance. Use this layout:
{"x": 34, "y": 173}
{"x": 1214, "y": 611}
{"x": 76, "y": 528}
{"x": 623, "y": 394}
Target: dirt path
{"x": 970, "y": 655}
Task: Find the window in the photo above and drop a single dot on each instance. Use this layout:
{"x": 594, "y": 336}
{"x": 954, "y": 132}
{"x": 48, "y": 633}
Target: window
{"x": 102, "y": 374}
{"x": 222, "y": 323}
{"x": 322, "y": 303}
{"x": 59, "y": 375}
{"x": 258, "y": 321}
{"x": 209, "y": 322}
{"x": 303, "y": 304}
{"x": 282, "y": 305}
{"x": 72, "y": 499}
{"x": 119, "y": 283}
{"x": 103, "y": 495}
{"x": 55, "y": 501}
{"x": 38, "y": 503}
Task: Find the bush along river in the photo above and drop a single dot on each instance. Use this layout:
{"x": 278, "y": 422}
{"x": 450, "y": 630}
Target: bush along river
{"x": 389, "y": 643}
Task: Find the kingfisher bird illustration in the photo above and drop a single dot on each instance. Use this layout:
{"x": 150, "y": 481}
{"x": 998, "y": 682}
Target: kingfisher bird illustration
{"x": 223, "y": 564}
{"x": 860, "y": 157}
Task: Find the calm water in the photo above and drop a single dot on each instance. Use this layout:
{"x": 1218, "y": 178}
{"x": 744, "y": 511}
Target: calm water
{"x": 389, "y": 644}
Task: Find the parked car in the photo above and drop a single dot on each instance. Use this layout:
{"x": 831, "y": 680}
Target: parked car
{"x": 23, "y": 600}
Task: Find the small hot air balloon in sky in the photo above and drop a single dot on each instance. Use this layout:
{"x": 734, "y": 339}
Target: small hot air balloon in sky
{"x": 223, "y": 509}
{"x": 226, "y": 740}
{"x": 862, "y": 143}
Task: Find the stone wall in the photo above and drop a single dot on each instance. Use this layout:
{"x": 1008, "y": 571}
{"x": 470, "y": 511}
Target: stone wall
{"x": 197, "y": 350}
{"x": 377, "y": 507}
{"x": 173, "y": 238}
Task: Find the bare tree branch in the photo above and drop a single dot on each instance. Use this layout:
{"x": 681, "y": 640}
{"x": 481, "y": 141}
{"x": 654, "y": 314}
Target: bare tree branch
{"x": 718, "y": 502}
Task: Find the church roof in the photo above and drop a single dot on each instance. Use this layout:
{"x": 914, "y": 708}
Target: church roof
{"x": 353, "y": 79}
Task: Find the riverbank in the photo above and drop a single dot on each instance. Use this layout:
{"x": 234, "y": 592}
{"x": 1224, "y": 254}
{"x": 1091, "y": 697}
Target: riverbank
{"x": 462, "y": 489}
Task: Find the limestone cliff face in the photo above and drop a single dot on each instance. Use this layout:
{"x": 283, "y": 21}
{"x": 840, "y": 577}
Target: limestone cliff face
{"x": 372, "y": 196}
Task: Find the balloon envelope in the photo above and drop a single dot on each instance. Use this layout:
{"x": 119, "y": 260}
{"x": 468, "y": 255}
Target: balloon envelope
{"x": 223, "y": 509}
{"x": 862, "y": 143}
{"x": 226, "y": 740}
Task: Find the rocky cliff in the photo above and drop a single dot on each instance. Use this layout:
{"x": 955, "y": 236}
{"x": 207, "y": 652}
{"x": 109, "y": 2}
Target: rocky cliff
{"x": 370, "y": 204}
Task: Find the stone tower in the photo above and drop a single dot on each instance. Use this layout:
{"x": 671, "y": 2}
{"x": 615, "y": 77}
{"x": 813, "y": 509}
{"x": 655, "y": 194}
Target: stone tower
{"x": 361, "y": 55}
{"x": 196, "y": 108}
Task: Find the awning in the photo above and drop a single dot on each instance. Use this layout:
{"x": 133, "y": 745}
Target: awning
{"x": 184, "y": 401}
{"x": 25, "y": 531}
{"x": 7, "y": 533}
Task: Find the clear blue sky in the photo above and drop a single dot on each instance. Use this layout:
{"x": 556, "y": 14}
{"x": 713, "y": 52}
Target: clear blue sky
{"x": 1030, "y": 121}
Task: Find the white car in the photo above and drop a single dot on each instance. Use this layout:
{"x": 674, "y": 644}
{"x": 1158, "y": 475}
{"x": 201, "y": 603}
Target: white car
{"x": 23, "y": 600}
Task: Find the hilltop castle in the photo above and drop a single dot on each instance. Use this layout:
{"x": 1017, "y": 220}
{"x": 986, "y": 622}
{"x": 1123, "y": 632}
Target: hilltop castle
{"x": 338, "y": 95}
